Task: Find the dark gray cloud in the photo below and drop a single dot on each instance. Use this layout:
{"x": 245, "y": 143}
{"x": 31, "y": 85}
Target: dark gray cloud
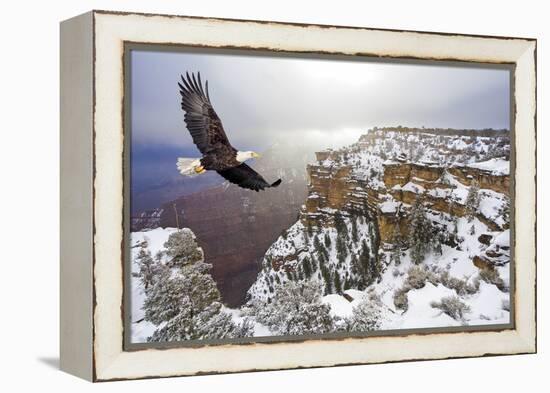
{"x": 261, "y": 98}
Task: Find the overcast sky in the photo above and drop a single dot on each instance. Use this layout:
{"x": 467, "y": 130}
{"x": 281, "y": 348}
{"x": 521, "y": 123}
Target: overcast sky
{"x": 329, "y": 102}
{"x": 260, "y": 98}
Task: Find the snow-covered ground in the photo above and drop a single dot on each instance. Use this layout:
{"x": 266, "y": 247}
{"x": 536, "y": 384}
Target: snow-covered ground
{"x": 155, "y": 238}
{"x": 497, "y": 166}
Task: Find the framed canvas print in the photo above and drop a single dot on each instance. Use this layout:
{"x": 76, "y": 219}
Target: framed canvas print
{"x": 246, "y": 195}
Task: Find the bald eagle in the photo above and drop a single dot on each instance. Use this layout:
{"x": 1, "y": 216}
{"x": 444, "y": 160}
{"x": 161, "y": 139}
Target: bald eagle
{"x": 208, "y": 135}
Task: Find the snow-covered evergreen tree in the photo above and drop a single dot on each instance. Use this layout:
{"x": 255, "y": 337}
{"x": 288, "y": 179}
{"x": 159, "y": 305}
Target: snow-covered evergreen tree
{"x": 181, "y": 248}
{"x": 472, "y": 200}
{"x": 420, "y": 231}
{"x": 397, "y": 244}
{"x": 341, "y": 249}
{"x": 354, "y": 234}
{"x": 337, "y": 282}
{"x": 306, "y": 266}
{"x": 148, "y": 267}
{"x": 327, "y": 240}
{"x": 183, "y": 300}
{"x": 340, "y": 225}
{"x": 296, "y": 309}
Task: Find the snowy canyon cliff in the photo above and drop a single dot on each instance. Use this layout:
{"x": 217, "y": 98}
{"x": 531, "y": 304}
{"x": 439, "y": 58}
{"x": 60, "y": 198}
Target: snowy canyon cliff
{"x": 398, "y": 206}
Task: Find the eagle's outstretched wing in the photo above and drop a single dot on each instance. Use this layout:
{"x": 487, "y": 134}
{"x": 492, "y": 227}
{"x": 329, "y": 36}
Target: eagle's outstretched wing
{"x": 203, "y": 123}
{"x": 246, "y": 177}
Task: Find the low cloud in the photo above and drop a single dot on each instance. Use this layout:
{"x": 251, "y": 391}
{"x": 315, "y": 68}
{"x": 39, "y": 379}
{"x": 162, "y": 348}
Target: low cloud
{"x": 262, "y": 99}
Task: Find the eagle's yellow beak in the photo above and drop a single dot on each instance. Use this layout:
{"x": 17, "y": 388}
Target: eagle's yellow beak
{"x": 255, "y": 155}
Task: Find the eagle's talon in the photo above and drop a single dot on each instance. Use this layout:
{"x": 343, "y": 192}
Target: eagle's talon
{"x": 199, "y": 169}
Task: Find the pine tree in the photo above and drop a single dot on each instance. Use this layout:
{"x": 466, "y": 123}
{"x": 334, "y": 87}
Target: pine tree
{"x": 337, "y": 282}
{"x": 397, "y": 243}
{"x": 472, "y": 200}
{"x": 340, "y": 225}
{"x": 319, "y": 247}
{"x": 327, "y": 240}
{"x": 299, "y": 273}
{"x": 354, "y": 234}
{"x": 472, "y": 230}
{"x": 181, "y": 248}
{"x": 364, "y": 266}
{"x": 148, "y": 268}
{"x": 183, "y": 300}
{"x": 341, "y": 249}
{"x": 325, "y": 274}
{"x": 314, "y": 263}
{"x": 420, "y": 230}
{"x": 317, "y": 244}
{"x": 306, "y": 265}
{"x": 438, "y": 243}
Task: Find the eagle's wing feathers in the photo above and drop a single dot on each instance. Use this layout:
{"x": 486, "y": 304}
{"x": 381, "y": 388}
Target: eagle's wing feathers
{"x": 201, "y": 119}
{"x": 246, "y": 177}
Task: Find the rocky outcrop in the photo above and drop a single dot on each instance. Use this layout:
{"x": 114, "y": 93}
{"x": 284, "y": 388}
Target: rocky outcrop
{"x": 485, "y": 179}
{"x": 336, "y": 183}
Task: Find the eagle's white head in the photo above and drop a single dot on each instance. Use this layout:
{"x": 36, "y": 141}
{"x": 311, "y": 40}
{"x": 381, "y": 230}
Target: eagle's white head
{"x": 242, "y": 156}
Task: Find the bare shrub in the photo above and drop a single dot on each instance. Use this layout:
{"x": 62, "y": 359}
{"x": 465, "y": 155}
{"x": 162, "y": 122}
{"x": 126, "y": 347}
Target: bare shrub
{"x": 400, "y": 299}
{"x": 452, "y": 306}
{"x": 462, "y": 287}
{"x": 417, "y": 277}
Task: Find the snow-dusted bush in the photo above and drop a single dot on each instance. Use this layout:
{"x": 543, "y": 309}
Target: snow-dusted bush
{"x": 506, "y": 304}
{"x": 296, "y": 309}
{"x": 462, "y": 287}
{"x": 400, "y": 299}
{"x": 452, "y": 306}
{"x": 366, "y": 315}
{"x": 417, "y": 277}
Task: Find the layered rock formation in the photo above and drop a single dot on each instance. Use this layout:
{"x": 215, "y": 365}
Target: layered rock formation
{"x": 371, "y": 186}
{"x": 368, "y": 176}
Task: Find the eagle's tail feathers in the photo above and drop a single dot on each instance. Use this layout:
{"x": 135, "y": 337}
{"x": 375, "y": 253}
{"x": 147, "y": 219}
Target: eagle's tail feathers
{"x": 188, "y": 166}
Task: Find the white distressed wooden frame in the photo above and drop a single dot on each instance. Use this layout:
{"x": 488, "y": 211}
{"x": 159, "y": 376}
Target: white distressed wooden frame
{"x": 92, "y": 90}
